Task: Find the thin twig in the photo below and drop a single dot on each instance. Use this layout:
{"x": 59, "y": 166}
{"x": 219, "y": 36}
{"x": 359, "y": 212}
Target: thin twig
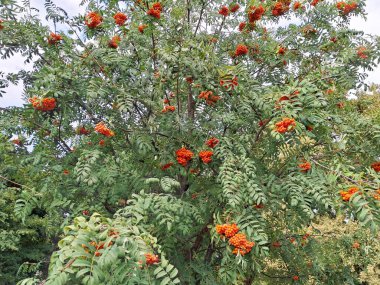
{"x": 2, "y": 177}
{"x": 344, "y": 176}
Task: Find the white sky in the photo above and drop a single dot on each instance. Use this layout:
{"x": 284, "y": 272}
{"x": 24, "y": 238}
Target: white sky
{"x": 13, "y": 96}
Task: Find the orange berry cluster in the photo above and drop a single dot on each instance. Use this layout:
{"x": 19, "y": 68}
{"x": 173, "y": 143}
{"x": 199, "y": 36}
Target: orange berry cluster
{"x": 184, "y": 156}
{"x": 113, "y": 233}
{"x": 212, "y": 142}
{"x": 346, "y": 8}
{"x": 205, "y": 156}
{"x": 114, "y": 42}
{"x": 376, "y": 166}
{"x": 168, "y": 109}
{"x": 120, "y": 18}
{"x": 210, "y": 98}
{"x": 43, "y": 104}
{"x": 102, "y": 129}
{"x": 281, "y": 50}
{"x": 98, "y": 246}
{"x": 234, "y": 7}
{"x": 16, "y": 141}
{"x": 141, "y": 28}
{"x": 151, "y": 258}
{"x": 376, "y": 196}
{"x": 155, "y": 11}
{"x": 362, "y": 52}
{"x": 54, "y": 39}
{"x": 241, "y": 244}
{"x": 304, "y": 167}
{"x": 280, "y": 7}
{"x": 314, "y": 2}
{"x": 224, "y": 11}
{"x": 297, "y": 5}
{"x": 167, "y": 165}
{"x": 93, "y": 20}
{"x": 239, "y": 241}
{"x": 227, "y": 230}
{"x": 286, "y": 125}
{"x": 241, "y": 50}
{"x": 229, "y": 83}
{"x": 346, "y": 195}
{"x": 255, "y": 14}
{"x": 242, "y": 25}
{"x": 82, "y": 131}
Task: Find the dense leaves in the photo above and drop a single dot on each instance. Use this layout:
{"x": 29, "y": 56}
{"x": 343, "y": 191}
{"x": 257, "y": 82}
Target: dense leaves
{"x": 147, "y": 124}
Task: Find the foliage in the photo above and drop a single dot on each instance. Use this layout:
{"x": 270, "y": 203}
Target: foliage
{"x": 139, "y": 136}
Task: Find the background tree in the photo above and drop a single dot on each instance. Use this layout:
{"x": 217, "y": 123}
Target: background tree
{"x": 189, "y": 142}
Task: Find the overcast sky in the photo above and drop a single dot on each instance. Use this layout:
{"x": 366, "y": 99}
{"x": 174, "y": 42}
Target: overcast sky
{"x": 13, "y": 97}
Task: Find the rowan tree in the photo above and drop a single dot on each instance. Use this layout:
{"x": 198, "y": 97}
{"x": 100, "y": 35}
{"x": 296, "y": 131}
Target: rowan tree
{"x": 189, "y": 142}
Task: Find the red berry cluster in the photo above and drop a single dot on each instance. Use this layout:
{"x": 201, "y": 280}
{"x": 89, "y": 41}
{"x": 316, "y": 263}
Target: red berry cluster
{"x": 280, "y": 8}
{"x": 168, "y": 109}
{"x": 234, "y": 7}
{"x": 184, "y": 156}
{"x": 98, "y": 246}
{"x": 114, "y": 42}
{"x": 212, "y": 142}
{"x": 189, "y": 80}
{"x": 227, "y": 230}
{"x": 167, "y": 165}
{"x": 82, "y": 131}
{"x": 304, "y": 167}
{"x": 155, "y": 11}
{"x": 209, "y": 96}
{"x": 224, "y": 11}
{"x": 151, "y": 258}
{"x": 227, "y": 83}
{"x": 314, "y": 3}
{"x": 93, "y": 20}
{"x": 141, "y": 28}
{"x": 346, "y": 195}
{"x": 102, "y": 129}
{"x": 346, "y": 8}
{"x": 16, "y": 141}
{"x": 1, "y": 26}
{"x": 255, "y": 14}
{"x": 297, "y": 5}
{"x": 281, "y": 50}
{"x": 239, "y": 241}
{"x": 44, "y": 104}
{"x": 286, "y": 125}
{"x": 54, "y": 39}
{"x": 362, "y": 52}
{"x": 242, "y": 25}
{"x": 206, "y": 156}
{"x": 241, "y": 50}
{"x": 376, "y": 196}
{"x": 376, "y": 166}
{"x": 120, "y": 18}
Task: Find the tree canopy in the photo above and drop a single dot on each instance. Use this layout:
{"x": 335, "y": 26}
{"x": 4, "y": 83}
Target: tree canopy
{"x": 190, "y": 142}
